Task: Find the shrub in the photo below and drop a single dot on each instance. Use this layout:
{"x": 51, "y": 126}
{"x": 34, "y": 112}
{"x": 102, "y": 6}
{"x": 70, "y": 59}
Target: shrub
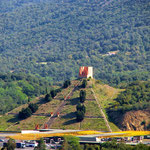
{"x": 70, "y": 143}
{"x": 25, "y": 113}
{"x": 48, "y": 98}
{"x": 82, "y": 96}
{"x": 66, "y": 84}
{"x": 89, "y": 78}
{"x": 84, "y": 83}
{"x": 41, "y": 145}
{"x": 80, "y": 107}
{"x": 79, "y": 115}
{"x": 53, "y": 93}
{"x": 58, "y": 90}
{"x": 10, "y": 145}
{"x": 33, "y": 107}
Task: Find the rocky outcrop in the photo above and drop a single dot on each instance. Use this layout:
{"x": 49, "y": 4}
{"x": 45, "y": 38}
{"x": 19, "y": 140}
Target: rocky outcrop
{"x": 132, "y": 120}
{"x": 135, "y": 120}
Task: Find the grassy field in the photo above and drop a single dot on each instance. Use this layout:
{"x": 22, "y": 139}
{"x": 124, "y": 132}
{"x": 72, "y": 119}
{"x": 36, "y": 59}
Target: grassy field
{"x": 11, "y": 122}
{"x": 105, "y": 95}
{"x": 92, "y": 108}
{"x": 6, "y": 121}
{"x": 29, "y": 123}
{"x": 67, "y": 120}
{"x": 67, "y": 115}
{"x": 94, "y": 124}
{"x": 37, "y": 100}
{"x": 114, "y": 127}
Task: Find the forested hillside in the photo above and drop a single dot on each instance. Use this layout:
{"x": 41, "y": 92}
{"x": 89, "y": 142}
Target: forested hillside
{"x": 135, "y": 97}
{"x": 54, "y": 37}
{"x": 131, "y": 109}
{"x": 18, "y": 89}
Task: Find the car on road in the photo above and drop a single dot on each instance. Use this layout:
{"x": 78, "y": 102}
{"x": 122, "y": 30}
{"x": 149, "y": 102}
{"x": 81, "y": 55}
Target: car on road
{"x": 20, "y": 145}
{"x": 31, "y": 144}
{"x": 1, "y": 140}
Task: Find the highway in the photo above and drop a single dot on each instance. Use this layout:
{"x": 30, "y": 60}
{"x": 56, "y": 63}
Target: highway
{"x": 36, "y": 134}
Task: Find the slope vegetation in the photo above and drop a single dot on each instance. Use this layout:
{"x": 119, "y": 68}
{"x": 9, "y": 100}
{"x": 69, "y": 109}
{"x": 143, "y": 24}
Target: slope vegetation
{"x": 132, "y": 107}
{"x": 18, "y": 89}
{"x": 105, "y": 106}
{"x": 69, "y": 97}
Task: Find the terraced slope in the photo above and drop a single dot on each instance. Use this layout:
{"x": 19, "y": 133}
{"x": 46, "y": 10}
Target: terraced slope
{"x": 65, "y": 104}
{"x": 42, "y": 115}
{"x": 93, "y": 116}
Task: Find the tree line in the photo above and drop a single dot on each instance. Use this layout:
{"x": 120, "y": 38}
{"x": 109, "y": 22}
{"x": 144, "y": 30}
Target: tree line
{"x": 81, "y": 109}
{"x": 72, "y": 143}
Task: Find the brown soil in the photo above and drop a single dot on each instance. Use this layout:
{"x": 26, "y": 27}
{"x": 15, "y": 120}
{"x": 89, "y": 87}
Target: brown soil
{"x": 133, "y": 120}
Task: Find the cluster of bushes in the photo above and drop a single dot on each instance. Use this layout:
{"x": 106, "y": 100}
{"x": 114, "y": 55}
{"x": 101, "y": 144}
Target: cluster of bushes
{"x": 135, "y": 97}
{"x": 52, "y": 94}
{"x": 113, "y": 145}
{"x": 16, "y": 89}
{"x": 10, "y": 145}
{"x": 66, "y": 83}
{"x": 27, "y": 112}
{"x": 80, "y": 107}
{"x": 48, "y": 97}
{"x": 84, "y": 83}
{"x": 135, "y": 92}
{"x": 125, "y": 108}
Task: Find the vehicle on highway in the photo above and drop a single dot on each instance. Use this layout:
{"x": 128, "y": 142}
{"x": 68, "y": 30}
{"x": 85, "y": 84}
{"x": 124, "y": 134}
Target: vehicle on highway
{"x": 31, "y": 144}
{"x": 1, "y": 140}
{"x": 20, "y": 145}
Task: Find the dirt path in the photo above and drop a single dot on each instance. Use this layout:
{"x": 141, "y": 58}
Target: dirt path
{"x": 101, "y": 110}
{"x": 60, "y": 107}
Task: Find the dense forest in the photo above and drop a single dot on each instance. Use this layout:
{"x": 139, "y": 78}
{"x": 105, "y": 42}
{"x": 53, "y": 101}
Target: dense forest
{"x": 52, "y": 38}
{"x": 135, "y": 97}
{"x": 18, "y": 89}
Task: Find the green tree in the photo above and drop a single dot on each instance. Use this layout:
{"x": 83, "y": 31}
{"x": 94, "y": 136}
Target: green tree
{"x": 41, "y": 145}
{"x": 33, "y": 107}
{"x": 84, "y": 83}
{"x": 70, "y": 143}
{"x": 82, "y": 96}
{"x": 53, "y": 93}
{"x": 26, "y": 88}
{"x": 10, "y": 145}
{"x": 81, "y": 107}
{"x": 25, "y": 113}
{"x": 66, "y": 83}
{"x": 48, "y": 98}
{"x": 141, "y": 147}
{"x": 79, "y": 115}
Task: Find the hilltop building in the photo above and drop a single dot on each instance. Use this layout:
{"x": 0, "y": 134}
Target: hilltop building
{"x": 85, "y": 72}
